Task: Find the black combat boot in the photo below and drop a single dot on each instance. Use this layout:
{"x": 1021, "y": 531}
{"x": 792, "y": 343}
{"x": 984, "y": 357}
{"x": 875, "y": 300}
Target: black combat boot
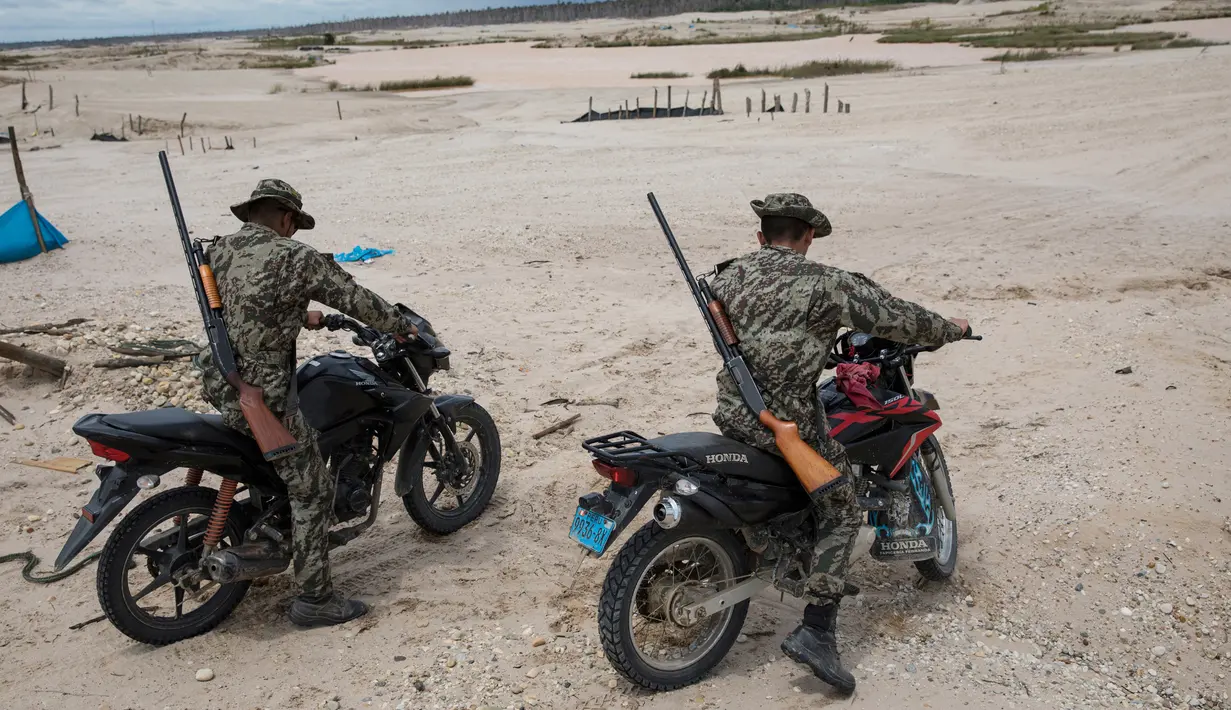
{"x": 815, "y": 645}
{"x": 329, "y": 610}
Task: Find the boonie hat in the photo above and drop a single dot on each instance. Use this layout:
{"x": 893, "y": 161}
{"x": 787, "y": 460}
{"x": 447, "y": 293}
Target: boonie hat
{"x": 284, "y": 194}
{"x": 789, "y": 204}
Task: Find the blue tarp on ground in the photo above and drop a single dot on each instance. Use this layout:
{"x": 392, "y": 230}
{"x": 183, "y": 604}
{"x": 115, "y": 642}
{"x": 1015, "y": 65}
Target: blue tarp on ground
{"x": 17, "y": 238}
{"x": 364, "y": 254}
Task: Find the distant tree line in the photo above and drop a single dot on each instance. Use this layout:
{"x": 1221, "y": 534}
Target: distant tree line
{"x": 558, "y": 12}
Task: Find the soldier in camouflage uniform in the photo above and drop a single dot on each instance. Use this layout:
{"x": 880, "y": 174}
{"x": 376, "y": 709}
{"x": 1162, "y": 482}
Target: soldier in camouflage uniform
{"x": 787, "y": 311}
{"x": 266, "y": 280}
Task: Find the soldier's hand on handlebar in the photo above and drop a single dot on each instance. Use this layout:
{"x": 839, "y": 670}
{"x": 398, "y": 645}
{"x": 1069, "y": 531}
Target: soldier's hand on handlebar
{"x": 404, "y": 339}
{"x": 963, "y": 324}
{"x": 316, "y": 320}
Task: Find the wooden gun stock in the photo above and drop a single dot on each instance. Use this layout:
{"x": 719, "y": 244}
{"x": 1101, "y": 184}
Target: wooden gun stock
{"x": 812, "y": 470}
{"x": 273, "y": 438}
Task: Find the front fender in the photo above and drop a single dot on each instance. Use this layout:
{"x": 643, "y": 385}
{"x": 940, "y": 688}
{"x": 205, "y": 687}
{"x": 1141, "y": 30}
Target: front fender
{"x": 116, "y": 489}
{"x": 414, "y": 449}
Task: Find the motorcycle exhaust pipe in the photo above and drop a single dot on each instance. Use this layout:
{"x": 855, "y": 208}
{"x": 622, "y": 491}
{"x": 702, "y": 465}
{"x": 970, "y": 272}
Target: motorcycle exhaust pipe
{"x": 245, "y": 562}
{"x": 667, "y": 513}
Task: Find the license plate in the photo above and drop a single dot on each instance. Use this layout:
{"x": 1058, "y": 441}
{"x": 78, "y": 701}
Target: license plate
{"x": 591, "y": 530}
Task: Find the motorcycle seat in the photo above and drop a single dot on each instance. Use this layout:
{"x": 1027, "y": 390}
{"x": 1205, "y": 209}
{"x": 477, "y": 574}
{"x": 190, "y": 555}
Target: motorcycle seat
{"x": 185, "y": 427}
{"x": 730, "y": 457}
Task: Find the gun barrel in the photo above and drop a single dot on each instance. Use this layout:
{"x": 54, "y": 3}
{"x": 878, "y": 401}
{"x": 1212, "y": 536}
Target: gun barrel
{"x": 182, "y": 226}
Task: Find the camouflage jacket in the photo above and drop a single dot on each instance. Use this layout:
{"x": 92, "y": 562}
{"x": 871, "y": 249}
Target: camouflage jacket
{"x": 266, "y": 283}
{"x": 787, "y": 311}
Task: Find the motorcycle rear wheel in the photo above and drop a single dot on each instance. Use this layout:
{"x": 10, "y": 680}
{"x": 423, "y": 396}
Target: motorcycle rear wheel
{"x": 132, "y": 549}
{"x": 652, "y": 562}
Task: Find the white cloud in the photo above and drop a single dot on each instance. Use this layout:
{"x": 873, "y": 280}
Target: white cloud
{"x": 27, "y": 20}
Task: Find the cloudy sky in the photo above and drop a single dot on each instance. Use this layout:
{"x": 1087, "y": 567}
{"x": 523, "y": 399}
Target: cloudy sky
{"x": 33, "y": 20}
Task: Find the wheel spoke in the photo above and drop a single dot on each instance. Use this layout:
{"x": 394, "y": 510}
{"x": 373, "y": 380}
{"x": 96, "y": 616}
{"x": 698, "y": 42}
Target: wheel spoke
{"x": 470, "y": 436}
{"x": 181, "y": 544}
{"x": 159, "y": 581}
{"x": 439, "y": 489}
{"x": 179, "y": 602}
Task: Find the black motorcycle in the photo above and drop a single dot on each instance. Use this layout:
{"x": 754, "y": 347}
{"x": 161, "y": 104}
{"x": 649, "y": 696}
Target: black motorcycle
{"x": 733, "y": 520}
{"x": 206, "y": 546}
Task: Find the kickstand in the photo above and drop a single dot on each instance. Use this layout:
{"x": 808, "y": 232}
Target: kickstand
{"x": 582, "y": 559}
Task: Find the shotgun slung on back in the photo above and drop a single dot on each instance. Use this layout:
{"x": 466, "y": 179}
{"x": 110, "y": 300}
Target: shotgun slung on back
{"x": 271, "y": 435}
{"x": 812, "y": 470}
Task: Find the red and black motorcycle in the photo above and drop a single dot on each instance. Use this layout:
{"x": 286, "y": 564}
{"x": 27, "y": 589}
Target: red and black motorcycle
{"x": 732, "y": 520}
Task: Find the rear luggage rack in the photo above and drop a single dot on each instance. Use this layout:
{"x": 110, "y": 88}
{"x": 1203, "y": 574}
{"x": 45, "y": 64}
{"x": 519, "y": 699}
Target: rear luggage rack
{"x": 627, "y": 447}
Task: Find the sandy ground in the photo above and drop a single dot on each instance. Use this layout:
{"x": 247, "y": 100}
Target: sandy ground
{"x": 1075, "y": 211}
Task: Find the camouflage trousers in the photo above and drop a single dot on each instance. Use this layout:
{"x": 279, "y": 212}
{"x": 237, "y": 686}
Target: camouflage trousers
{"x": 311, "y": 492}
{"x": 837, "y": 520}
{"x": 808, "y": 553}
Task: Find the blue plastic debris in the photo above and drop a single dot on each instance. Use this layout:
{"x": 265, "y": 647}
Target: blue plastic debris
{"x": 364, "y": 254}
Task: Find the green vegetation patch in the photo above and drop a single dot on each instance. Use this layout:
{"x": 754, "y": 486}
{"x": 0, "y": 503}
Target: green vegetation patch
{"x": 807, "y": 70}
{"x": 661, "y": 75}
{"x": 436, "y": 82}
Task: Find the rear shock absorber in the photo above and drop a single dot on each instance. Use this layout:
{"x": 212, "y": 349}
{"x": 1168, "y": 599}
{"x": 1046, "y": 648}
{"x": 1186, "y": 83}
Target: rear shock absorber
{"x": 192, "y": 479}
{"x": 218, "y": 518}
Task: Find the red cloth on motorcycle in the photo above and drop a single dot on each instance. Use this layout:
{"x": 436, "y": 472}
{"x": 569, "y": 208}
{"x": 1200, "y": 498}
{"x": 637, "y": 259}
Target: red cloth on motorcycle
{"x": 853, "y": 380}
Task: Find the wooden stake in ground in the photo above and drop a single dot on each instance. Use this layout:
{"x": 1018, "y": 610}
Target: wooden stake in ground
{"x": 24, "y": 103}
{"x": 182, "y": 120}
{"x": 668, "y": 101}
{"x": 638, "y": 107}
{"x": 718, "y": 94}
{"x": 762, "y": 100}
{"x": 687, "y": 95}
{"x": 807, "y": 100}
{"x": 839, "y": 105}
{"x": 795, "y": 102}
{"x": 131, "y": 125}
{"x": 254, "y": 141}
{"x": 38, "y": 361}
{"x": 181, "y": 140}
{"x": 749, "y": 106}
{"x": 590, "y": 111}
{"x": 704, "y": 95}
{"x": 655, "y": 114}
{"x": 25, "y": 194}
{"x": 77, "y": 105}
{"x": 51, "y": 97}
{"x": 825, "y": 102}
{"x": 848, "y": 106}
{"x": 339, "y": 109}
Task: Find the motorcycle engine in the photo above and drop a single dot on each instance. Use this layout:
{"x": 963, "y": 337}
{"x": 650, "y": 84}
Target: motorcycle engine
{"x": 353, "y": 473}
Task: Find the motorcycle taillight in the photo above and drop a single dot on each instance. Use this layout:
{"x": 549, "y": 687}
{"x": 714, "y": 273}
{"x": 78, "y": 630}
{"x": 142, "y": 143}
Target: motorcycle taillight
{"x": 106, "y": 452}
{"x": 616, "y": 474}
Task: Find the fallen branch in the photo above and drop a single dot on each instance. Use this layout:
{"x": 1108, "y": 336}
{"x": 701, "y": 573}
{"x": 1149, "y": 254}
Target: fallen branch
{"x": 7, "y": 416}
{"x": 149, "y": 352}
{"x": 46, "y": 363}
{"x": 558, "y": 426}
{"x": 45, "y": 328}
{"x": 119, "y": 362}
{"x": 598, "y": 402}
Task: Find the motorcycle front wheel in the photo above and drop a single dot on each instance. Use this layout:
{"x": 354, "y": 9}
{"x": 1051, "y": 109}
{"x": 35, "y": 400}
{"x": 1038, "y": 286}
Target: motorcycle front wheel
{"x": 941, "y": 567}
{"x": 453, "y": 490}
{"x": 655, "y": 575}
